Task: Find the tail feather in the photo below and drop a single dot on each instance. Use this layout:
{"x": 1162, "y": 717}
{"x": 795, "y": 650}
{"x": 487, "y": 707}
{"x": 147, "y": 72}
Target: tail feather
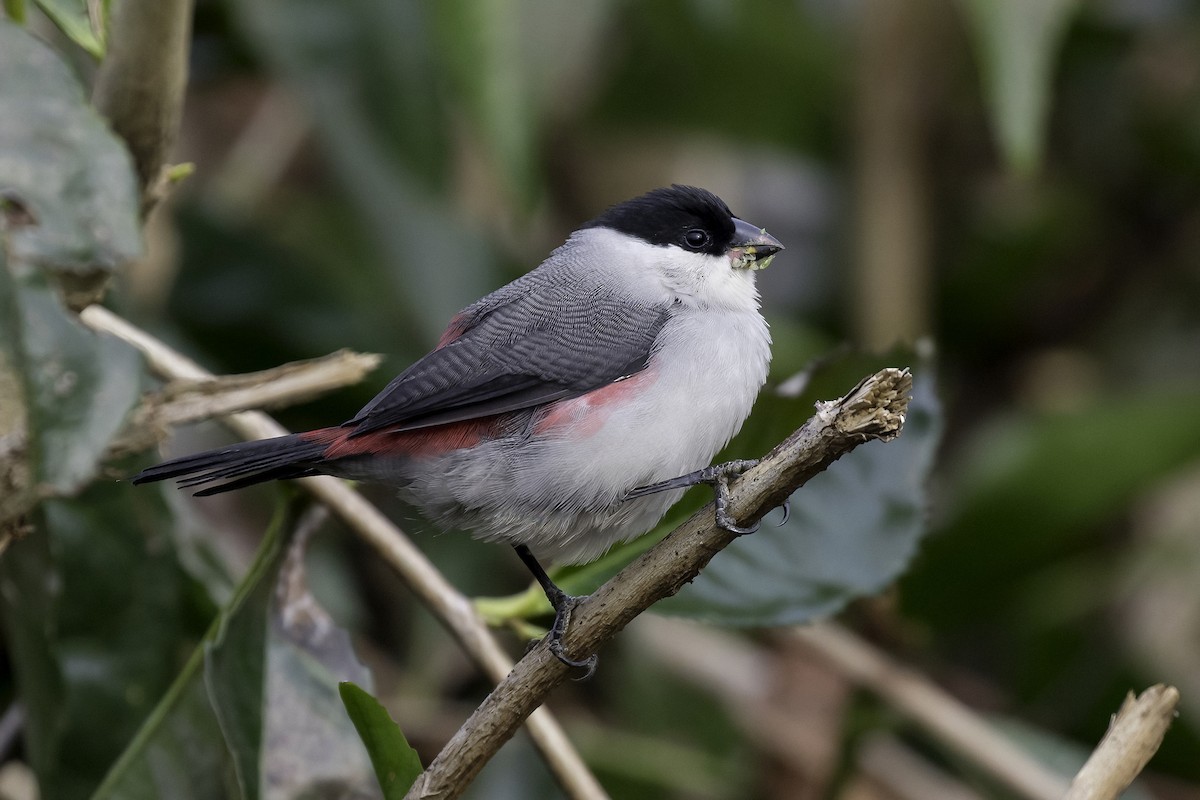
{"x": 241, "y": 465}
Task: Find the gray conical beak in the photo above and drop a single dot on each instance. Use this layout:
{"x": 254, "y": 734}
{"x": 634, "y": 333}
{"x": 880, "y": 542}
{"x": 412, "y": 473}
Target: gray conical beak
{"x": 752, "y": 247}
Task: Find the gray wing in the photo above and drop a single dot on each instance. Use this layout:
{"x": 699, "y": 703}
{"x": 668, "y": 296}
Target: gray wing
{"x": 549, "y": 335}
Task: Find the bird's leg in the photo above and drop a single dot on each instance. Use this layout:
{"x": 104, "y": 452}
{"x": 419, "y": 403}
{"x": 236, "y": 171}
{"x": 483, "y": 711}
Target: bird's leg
{"x": 563, "y": 604}
{"x": 717, "y": 476}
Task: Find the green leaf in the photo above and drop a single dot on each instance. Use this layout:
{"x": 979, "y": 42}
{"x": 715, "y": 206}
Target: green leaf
{"x": 288, "y": 728}
{"x": 179, "y": 751}
{"x": 481, "y": 42}
{"x": 59, "y": 160}
{"x": 379, "y": 110}
{"x": 272, "y": 673}
{"x": 852, "y": 531}
{"x": 15, "y": 9}
{"x": 74, "y": 18}
{"x": 1017, "y": 41}
{"x": 257, "y": 704}
{"x": 27, "y": 575}
{"x": 397, "y": 765}
{"x": 235, "y": 663}
{"x": 1032, "y": 488}
{"x": 97, "y": 616}
{"x": 80, "y": 386}
{"x": 202, "y": 741}
{"x": 69, "y": 210}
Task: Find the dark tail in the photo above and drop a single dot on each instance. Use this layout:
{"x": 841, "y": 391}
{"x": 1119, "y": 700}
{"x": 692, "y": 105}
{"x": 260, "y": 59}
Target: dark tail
{"x": 242, "y": 464}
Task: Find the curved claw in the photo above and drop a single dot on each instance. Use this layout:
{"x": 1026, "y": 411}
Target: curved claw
{"x": 727, "y": 523}
{"x": 787, "y": 513}
{"x": 588, "y": 664}
{"x": 721, "y": 486}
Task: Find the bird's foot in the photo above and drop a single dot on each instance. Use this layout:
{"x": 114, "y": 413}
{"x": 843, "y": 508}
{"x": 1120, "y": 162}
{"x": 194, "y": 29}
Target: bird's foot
{"x": 564, "y": 604}
{"x": 717, "y": 476}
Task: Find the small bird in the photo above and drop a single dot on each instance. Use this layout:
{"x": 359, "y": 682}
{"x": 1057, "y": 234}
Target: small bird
{"x": 568, "y": 410}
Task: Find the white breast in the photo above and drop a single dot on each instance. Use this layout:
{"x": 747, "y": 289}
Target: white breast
{"x": 561, "y": 494}
{"x": 559, "y": 488}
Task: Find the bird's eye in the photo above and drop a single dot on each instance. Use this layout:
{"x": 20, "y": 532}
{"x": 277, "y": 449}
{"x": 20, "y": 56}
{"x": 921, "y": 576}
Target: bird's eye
{"x": 696, "y": 238}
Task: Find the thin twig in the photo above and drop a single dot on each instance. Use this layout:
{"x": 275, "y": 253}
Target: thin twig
{"x": 1133, "y": 738}
{"x": 875, "y": 409}
{"x": 184, "y": 401}
{"x": 955, "y": 726}
{"x": 888, "y": 762}
{"x": 453, "y": 609}
{"x": 258, "y": 158}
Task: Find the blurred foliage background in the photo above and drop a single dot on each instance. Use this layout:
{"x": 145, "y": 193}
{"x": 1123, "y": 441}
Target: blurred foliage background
{"x": 1019, "y": 181}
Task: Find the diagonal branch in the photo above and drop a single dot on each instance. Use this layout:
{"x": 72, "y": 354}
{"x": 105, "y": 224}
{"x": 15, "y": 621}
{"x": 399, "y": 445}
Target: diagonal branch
{"x": 874, "y": 409}
{"x": 452, "y": 608}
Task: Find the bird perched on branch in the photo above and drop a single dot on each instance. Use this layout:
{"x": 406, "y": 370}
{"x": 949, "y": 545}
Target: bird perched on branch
{"x": 568, "y": 410}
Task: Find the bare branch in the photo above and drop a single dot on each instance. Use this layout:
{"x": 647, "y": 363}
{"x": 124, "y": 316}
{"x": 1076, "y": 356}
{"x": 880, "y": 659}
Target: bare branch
{"x": 453, "y": 609}
{"x": 875, "y": 409}
{"x": 1133, "y": 738}
{"x": 886, "y": 761}
{"x": 184, "y": 401}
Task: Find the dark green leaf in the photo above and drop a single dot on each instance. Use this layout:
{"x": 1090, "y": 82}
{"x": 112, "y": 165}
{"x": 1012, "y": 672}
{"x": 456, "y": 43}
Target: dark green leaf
{"x": 396, "y": 764}
{"x": 94, "y": 649}
{"x": 69, "y": 209}
{"x": 1033, "y": 488}
{"x": 28, "y": 584}
{"x": 1017, "y": 42}
{"x": 60, "y": 161}
{"x": 257, "y": 706}
{"x": 15, "y": 9}
{"x": 179, "y": 751}
{"x": 367, "y": 73}
{"x": 75, "y": 20}
{"x": 204, "y": 737}
{"x": 235, "y": 663}
{"x": 676, "y": 58}
{"x": 80, "y": 385}
{"x": 852, "y": 531}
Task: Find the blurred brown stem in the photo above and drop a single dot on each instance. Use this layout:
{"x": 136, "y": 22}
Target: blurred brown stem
{"x": 891, "y": 277}
{"x": 874, "y": 409}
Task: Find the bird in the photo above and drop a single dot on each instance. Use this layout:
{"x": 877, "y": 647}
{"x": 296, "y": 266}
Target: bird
{"x": 568, "y": 410}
